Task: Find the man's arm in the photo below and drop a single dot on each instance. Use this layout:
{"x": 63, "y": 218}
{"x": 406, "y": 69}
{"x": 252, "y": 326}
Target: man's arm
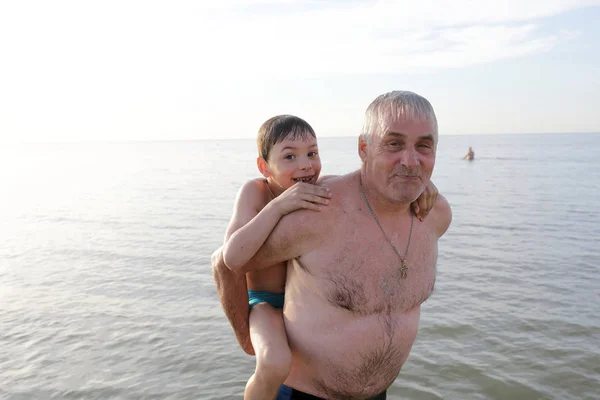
{"x": 231, "y": 285}
{"x": 441, "y": 214}
{"x": 296, "y": 234}
{"x": 233, "y": 295}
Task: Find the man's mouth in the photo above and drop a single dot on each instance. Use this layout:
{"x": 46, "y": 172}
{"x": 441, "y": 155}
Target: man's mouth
{"x": 305, "y": 179}
{"x": 408, "y": 177}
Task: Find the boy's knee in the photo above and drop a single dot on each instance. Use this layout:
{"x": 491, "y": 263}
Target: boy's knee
{"x": 276, "y": 363}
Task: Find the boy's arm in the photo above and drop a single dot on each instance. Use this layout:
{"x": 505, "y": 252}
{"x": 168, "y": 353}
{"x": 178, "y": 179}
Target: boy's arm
{"x": 295, "y": 235}
{"x": 442, "y": 215}
{"x": 248, "y": 228}
{"x": 424, "y": 204}
{"x": 231, "y": 285}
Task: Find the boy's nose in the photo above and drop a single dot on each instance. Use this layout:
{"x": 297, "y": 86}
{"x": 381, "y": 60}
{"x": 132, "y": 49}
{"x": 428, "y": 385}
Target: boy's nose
{"x": 305, "y": 164}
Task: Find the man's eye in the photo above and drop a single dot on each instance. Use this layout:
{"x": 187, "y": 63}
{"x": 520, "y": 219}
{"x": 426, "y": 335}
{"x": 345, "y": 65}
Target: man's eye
{"x": 395, "y": 144}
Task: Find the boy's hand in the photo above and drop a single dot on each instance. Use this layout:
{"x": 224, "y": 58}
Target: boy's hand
{"x": 302, "y": 195}
{"x": 425, "y": 202}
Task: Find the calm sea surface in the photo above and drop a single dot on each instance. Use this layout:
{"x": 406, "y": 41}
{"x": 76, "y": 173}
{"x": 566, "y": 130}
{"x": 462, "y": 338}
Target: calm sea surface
{"x": 106, "y": 290}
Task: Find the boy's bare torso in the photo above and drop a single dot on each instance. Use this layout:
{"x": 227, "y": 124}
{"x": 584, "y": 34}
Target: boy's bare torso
{"x": 350, "y": 318}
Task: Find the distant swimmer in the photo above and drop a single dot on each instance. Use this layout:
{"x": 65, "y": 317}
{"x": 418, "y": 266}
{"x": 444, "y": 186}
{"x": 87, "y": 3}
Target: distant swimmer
{"x": 470, "y": 155}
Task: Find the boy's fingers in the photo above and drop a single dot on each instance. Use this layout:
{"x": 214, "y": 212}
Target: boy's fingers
{"x": 432, "y": 201}
{"x": 321, "y": 191}
{"x": 416, "y": 208}
{"x": 317, "y": 190}
{"x": 312, "y": 206}
{"x": 426, "y": 205}
{"x": 317, "y": 199}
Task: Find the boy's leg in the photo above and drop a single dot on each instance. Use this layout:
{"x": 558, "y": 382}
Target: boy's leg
{"x": 273, "y": 355}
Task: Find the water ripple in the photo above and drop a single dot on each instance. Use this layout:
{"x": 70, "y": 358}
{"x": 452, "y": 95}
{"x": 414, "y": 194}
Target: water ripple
{"x": 107, "y": 291}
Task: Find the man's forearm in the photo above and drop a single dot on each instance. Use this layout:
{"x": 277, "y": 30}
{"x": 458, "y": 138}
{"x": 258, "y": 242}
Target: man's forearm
{"x": 233, "y": 294}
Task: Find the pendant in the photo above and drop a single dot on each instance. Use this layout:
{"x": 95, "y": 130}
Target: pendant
{"x": 403, "y": 270}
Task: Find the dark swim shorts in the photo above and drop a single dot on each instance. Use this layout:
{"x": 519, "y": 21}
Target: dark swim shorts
{"x": 288, "y": 393}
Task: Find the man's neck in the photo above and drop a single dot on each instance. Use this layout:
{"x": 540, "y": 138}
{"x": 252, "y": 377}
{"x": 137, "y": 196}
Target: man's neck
{"x": 380, "y": 205}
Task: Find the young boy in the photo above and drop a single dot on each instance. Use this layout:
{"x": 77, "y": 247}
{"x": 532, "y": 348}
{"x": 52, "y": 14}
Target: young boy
{"x": 289, "y": 162}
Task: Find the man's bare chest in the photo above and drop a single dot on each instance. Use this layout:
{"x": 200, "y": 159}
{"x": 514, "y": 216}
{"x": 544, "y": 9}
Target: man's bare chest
{"x": 364, "y": 275}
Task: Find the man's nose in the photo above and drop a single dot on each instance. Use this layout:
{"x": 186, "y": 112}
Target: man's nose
{"x": 409, "y": 158}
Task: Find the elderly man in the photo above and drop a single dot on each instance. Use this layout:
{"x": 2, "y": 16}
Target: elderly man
{"x": 359, "y": 270}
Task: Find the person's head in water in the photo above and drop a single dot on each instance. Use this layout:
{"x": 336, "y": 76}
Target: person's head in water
{"x": 287, "y": 152}
{"x": 470, "y": 154}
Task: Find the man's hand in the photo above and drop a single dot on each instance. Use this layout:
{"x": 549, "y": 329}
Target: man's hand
{"x": 302, "y": 195}
{"x": 425, "y": 202}
{"x": 233, "y": 295}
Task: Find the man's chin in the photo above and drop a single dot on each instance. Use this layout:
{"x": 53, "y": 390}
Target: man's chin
{"x": 404, "y": 199}
{"x": 404, "y": 196}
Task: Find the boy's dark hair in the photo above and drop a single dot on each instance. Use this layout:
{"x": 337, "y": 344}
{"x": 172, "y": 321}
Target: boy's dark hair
{"x": 279, "y": 128}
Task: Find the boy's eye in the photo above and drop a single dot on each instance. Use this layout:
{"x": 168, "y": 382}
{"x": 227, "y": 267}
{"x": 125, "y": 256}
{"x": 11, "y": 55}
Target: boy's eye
{"x": 313, "y": 154}
{"x": 289, "y": 157}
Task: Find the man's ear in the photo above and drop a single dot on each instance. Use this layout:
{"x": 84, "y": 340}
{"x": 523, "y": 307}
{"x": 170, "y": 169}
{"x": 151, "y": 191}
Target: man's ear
{"x": 362, "y": 148}
{"x": 263, "y": 167}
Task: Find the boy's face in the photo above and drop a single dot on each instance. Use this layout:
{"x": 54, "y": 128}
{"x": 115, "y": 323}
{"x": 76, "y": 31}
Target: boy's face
{"x": 291, "y": 161}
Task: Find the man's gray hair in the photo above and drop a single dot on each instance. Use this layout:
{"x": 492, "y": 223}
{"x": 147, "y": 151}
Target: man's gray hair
{"x": 396, "y": 104}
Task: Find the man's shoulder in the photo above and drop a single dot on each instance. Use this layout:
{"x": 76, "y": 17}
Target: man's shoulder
{"x": 322, "y": 221}
{"x": 337, "y": 181}
{"x": 326, "y": 178}
{"x": 340, "y": 187}
{"x": 441, "y": 214}
{"x": 312, "y": 229}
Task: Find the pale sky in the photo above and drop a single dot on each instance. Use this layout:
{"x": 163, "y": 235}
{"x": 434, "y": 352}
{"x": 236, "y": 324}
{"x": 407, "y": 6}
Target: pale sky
{"x": 171, "y": 70}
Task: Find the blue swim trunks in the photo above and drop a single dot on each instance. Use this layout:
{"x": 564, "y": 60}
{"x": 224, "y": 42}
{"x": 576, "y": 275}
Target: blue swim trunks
{"x": 274, "y": 299}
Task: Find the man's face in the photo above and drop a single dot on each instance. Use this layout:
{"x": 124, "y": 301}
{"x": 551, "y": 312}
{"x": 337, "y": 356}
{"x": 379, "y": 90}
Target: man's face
{"x": 399, "y": 163}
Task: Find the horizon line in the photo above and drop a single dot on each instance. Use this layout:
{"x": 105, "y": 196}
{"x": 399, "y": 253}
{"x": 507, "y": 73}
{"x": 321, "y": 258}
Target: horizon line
{"x": 92, "y": 141}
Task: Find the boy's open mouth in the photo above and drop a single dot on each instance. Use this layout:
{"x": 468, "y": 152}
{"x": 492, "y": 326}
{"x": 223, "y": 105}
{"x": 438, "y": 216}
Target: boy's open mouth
{"x": 305, "y": 179}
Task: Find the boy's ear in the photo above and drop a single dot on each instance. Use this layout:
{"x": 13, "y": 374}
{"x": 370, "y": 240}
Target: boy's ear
{"x": 263, "y": 167}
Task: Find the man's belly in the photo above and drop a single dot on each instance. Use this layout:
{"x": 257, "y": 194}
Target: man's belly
{"x": 340, "y": 354}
